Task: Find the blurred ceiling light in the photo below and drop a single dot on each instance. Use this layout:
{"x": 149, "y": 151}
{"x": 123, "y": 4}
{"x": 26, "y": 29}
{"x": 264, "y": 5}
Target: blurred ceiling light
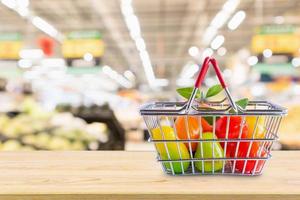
{"x": 209, "y": 34}
{"x": 127, "y": 9}
{"x": 22, "y": 3}
{"x": 236, "y": 20}
{"x": 252, "y": 60}
{"x": 133, "y": 25}
{"x": 222, "y": 51}
{"x": 12, "y": 4}
{"x": 161, "y": 82}
{"x": 231, "y": 5}
{"x": 147, "y": 66}
{"x": 116, "y": 77}
{"x": 207, "y": 52}
{"x": 217, "y": 42}
{"x": 193, "y": 51}
{"x": 126, "y": 2}
{"x": 88, "y": 57}
{"x": 25, "y": 63}
{"x": 23, "y": 11}
{"x": 296, "y": 62}
{"x": 279, "y": 20}
{"x": 44, "y": 26}
{"x": 106, "y": 69}
{"x": 140, "y": 44}
{"x": 31, "y": 53}
{"x": 189, "y": 70}
{"x": 21, "y": 7}
{"x": 129, "y": 75}
{"x": 267, "y": 53}
{"x": 220, "y": 19}
{"x": 53, "y": 62}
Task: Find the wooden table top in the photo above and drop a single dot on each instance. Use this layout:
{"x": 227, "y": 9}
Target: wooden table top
{"x": 134, "y": 175}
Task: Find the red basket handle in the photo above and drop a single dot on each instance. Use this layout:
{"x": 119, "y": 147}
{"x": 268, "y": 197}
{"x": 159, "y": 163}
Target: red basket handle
{"x": 204, "y": 69}
{"x": 200, "y": 79}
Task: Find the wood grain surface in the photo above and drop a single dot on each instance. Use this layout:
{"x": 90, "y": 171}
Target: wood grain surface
{"x": 134, "y": 175}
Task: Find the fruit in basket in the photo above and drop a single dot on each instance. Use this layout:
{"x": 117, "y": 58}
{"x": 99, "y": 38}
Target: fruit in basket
{"x": 260, "y": 130}
{"x": 253, "y": 153}
{"x": 235, "y": 126}
{"x": 193, "y": 130}
{"x": 209, "y": 150}
{"x": 176, "y": 149}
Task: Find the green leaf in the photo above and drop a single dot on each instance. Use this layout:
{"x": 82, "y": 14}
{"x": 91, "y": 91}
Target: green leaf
{"x": 214, "y": 90}
{"x": 242, "y": 102}
{"x": 187, "y": 92}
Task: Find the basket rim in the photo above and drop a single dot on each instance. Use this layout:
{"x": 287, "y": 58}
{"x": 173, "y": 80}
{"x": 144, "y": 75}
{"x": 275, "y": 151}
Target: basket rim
{"x": 150, "y": 109}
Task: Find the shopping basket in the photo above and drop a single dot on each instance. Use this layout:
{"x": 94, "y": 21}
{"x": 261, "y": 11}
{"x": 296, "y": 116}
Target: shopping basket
{"x": 228, "y": 148}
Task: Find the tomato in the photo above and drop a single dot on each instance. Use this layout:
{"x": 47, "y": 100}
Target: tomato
{"x": 193, "y": 129}
{"x": 233, "y": 132}
{"x": 242, "y": 153}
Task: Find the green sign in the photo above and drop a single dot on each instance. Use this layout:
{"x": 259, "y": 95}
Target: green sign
{"x": 276, "y": 29}
{"x": 277, "y": 69}
{"x": 83, "y": 70}
{"x": 84, "y": 35}
{"x": 10, "y": 36}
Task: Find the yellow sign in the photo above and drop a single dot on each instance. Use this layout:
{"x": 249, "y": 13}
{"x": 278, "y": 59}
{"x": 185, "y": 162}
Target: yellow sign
{"x": 278, "y": 43}
{"x": 10, "y": 49}
{"x": 76, "y": 48}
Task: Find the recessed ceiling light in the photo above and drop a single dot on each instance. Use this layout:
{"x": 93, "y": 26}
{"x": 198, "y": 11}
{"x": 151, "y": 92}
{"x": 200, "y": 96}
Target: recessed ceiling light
{"x": 217, "y": 42}
{"x": 296, "y": 62}
{"x": 222, "y": 51}
{"x": 236, "y": 20}
{"x": 267, "y": 53}
{"x": 252, "y": 60}
{"x": 193, "y": 51}
{"x": 88, "y": 57}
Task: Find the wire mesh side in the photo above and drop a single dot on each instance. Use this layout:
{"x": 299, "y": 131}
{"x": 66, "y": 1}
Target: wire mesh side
{"x": 241, "y": 155}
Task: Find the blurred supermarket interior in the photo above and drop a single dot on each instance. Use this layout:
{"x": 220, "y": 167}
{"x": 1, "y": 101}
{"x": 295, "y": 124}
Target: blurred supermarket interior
{"x": 74, "y": 73}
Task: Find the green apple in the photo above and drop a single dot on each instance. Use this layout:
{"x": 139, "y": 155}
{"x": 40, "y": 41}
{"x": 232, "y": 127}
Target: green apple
{"x": 209, "y": 150}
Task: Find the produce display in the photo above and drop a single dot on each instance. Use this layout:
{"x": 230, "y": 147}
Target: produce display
{"x": 103, "y": 114}
{"x": 35, "y": 129}
{"x": 289, "y": 131}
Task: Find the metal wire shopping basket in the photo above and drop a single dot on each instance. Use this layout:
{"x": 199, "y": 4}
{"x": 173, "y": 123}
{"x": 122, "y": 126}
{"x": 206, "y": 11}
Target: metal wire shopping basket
{"x": 239, "y": 141}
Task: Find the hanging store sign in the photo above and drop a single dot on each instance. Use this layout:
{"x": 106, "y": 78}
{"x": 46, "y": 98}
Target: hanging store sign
{"x": 78, "y": 43}
{"x": 10, "y": 45}
{"x": 280, "y": 39}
